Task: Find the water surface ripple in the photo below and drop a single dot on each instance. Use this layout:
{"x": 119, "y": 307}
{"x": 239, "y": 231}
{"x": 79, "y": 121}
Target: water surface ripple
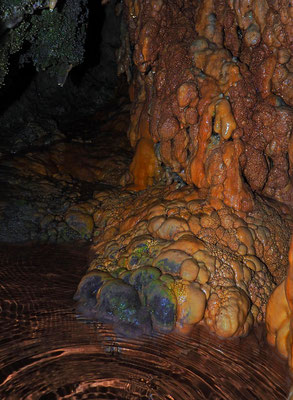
{"x": 47, "y": 354}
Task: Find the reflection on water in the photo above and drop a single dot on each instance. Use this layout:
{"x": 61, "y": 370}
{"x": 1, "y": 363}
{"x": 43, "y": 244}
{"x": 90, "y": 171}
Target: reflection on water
{"x": 47, "y": 354}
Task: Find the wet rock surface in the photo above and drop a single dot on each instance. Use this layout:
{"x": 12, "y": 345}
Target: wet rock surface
{"x": 169, "y": 255}
{"x": 198, "y": 262}
{"x": 166, "y": 258}
{"x": 212, "y": 89}
{"x": 194, "y": 227}
{"x": 212, "y": 80}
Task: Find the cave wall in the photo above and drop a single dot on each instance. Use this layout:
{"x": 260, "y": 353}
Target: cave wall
{"x": 211, "y": 88}
{"x": 48, "y": 80}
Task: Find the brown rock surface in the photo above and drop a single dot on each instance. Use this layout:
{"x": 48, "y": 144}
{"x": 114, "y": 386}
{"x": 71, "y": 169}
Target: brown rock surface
{"x": 210, "y": 72}
{"x": 200, "y": 233}
{"x": 236, "y": 263}
{"x": 212, "y": 98}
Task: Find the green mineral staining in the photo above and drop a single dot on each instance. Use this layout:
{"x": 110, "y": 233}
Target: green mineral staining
{"x": 141, "y": 278}
{"x": 125, "y": 276}
{"x": 117, "y": 272}
{"x": 161, "y": 302}
{"x": 133, "y": 301}
{"x": 166, "y": 265}
{"x": 167, "y": 279}
{"x": 118, "y": 301}
{"x": 140, "y": 256}
{"x": 52, "y": 41}
{"x": 122, "y": 261}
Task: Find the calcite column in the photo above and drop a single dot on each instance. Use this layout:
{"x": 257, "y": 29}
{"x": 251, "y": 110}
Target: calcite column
{"x": 212, "y": 96}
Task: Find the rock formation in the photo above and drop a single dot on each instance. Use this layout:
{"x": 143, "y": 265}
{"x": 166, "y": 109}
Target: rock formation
{"x": 211, "y": 91}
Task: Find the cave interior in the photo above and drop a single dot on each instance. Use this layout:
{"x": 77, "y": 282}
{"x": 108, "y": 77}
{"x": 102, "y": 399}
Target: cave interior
{"x": 160, "y": 133}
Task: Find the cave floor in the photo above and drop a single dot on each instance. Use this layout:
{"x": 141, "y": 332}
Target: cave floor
{"x": 69, "y": 191}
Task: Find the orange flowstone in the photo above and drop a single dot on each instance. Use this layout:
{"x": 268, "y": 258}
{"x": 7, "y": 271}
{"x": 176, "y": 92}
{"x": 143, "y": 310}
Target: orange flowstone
{"x": 209, "y": 90}
{"x": 236, "y": 54}
{"x": 197, "y": 168}
{"x": 236, "y": 194}
{"x": 289, "y": 294}
{"x": 224, "y": 120}
{"x": 279, "y": 315}
{"x": 144, "y": 166}
{"x": 268, "y": 68}
{"x": 130, "y": 222}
